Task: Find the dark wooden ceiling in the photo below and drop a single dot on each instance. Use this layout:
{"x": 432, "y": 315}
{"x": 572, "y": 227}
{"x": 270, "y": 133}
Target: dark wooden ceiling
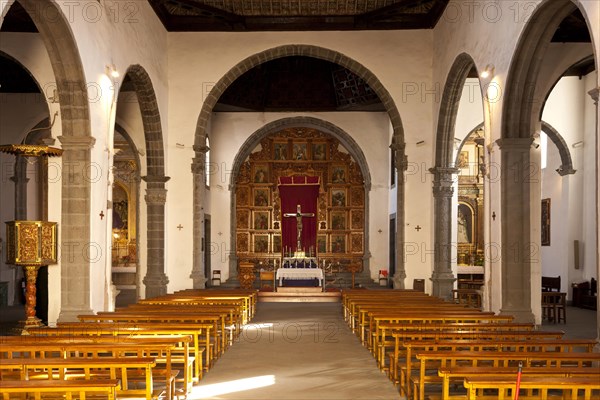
{"x": 297, "y": 15}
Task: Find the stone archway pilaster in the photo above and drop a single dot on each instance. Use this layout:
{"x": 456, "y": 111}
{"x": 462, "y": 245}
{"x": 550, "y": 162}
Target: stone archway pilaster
{"x": 199, "y": 182}
{"x": 76, "y": 189}
{"x": 399, "y": 147}
{"x": 443, "y": 190}
{"x": 156, "y": 197}
{"x": 516, "y": 228}
{"x": 595, "y": 95}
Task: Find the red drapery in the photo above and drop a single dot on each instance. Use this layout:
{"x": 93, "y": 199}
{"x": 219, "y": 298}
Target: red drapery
{"x": 303, "y": 191}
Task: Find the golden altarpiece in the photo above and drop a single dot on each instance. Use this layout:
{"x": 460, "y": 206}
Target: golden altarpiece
{"x": 341, "y": 201}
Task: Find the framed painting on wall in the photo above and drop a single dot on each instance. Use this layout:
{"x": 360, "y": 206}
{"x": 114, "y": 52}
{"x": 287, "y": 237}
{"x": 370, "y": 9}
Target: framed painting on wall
{"x": 338, "y": 220}
{"x": 319, "y": 151}
{"x": 280, "y": 151}
{"x": 260, "y": 173}
{"x": 261, "y": 197}
{"x": 338, "y": 197}
{"x": 261, "y": 243}
{"x": 338, "y": 243}
{"x": 261, "y": 220}
{"x": 338, "y": 174}
{"x": 546, "y": 222}
{"x": 299, "y": 151}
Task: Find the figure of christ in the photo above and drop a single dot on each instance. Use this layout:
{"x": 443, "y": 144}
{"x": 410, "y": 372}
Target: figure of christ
{"x": 298, "y": 215}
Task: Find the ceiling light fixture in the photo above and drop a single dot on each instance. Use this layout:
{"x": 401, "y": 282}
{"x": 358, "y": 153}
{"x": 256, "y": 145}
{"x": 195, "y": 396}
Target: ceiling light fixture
{"x": 111, "y": 71}
{"x": 488, "y": 71}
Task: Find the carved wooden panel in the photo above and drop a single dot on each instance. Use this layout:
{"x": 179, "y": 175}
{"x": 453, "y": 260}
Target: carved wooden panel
{"x": 340, "y": 208}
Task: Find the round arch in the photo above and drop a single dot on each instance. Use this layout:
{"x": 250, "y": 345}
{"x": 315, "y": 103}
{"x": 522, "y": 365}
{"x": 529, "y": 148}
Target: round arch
{"x": 198, "y": 163}
{"x": 76, "y": 141}
{"x": 301, "y": 121}
{"x": 566, "y": 167}
{"x": 518, "y": 124}
{"x": 156, "y": 195}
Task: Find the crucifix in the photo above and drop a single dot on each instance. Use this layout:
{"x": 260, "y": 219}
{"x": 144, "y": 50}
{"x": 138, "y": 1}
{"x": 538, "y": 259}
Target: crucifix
{"x": 298, "y": 215}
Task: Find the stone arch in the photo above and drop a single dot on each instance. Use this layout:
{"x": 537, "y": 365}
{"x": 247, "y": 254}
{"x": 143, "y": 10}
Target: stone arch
{"x": 252, "y": 61}
{"x": 442, "y": 276}
{"x": 478, "y": 127}
{"x": 310, "y": 122}
{"x": 156, "y": 195}
{"x": 519, "y": 123}
{"x": 77, "y": 142}
{"x": 566, "y": 167}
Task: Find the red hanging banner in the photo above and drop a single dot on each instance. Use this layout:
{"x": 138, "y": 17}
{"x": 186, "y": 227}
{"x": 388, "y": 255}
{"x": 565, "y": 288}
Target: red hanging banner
{"x": 299, "y": 196}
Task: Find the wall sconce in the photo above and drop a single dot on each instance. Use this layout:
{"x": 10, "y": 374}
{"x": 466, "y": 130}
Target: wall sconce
{"x": 487, "y": 72}
{"x": 111, "y": 71}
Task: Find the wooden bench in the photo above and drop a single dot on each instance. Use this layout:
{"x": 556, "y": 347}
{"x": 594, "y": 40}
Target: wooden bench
{"x": 39, "y": 347}
{"x": 107, "y": 387}
{"x": 548, "y": 346}
{"x": 128, "y": 370}
{"x": 452, "y": 374}
{"x": 574, "y": 387}
{"x": 440, "y": 359}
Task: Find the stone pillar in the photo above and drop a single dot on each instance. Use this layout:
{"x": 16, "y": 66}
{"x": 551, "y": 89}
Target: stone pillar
{"x": 516, "y": 228}
{"x": 20, "y": 179}
{"x": 199, "y": 178}
{"x": 594, "y": 93}
{"x": 442, "y": 276}
{"x": 75, "y": 227}
{"x": 401, "y": 165}
{"x": 156, "y": 197}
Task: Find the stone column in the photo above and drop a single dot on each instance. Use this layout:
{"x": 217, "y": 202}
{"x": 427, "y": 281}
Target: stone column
{"x": 75, "y": 227}
{"x": 156, "y": 197}
{"x": 401, "y": 165}
{"x": 20, "y": 179}
{"x": 516, "y": 228}
{"x": 199, "y": 178}
{"x": 442, "y": 276}
{"x": 594, "y": 93}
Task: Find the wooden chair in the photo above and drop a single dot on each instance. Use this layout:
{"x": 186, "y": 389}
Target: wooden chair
{"x": 268, "y": 277}
{"x": 419, "y": 285}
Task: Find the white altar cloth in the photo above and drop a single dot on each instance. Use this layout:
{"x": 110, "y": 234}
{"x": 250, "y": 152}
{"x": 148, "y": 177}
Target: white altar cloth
{"x": 299, "y": 273}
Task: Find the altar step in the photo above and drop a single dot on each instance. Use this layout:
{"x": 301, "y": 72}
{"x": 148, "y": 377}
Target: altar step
{"x": 299, "y": 295}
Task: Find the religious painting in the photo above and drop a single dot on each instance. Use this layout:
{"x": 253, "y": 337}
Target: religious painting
{"x": 261, "y": 243}
{"x": 319, "y": 151}
{"x": 338, "y": 243}
{"x": 338, "y": 220}
{"x": 261, "y": 197}
{"x": 338, "y": 174}
{"x": 321, "y": 244}
{"x": 261, "y": 220}
{"x": 357, "y": 219}
{"x": 464, "y": 224}
{"x": 546, "y": 222}
{"x": 242, "y": 196}
{"x": 280, "y": 151}
{"x": 261, "y": 173}
{"x": 338, "y": 197}
{"x": 276, "y": 244}
{"x": 463, "y": 160}
{"x": 242, "y": 242}
{"x": 299, "y": 151}
{"x": 357, "y": 197}
{"x": 356, "y": 242}
{"x": 243, "y": 219}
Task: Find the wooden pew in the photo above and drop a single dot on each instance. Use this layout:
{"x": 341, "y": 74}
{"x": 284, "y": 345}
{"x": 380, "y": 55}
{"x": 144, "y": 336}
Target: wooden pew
{"x": 451, "y": 374}
{"x": 41, "y": 347}
{"x": 569, "y": 386}
{"x": 127, "y": 370}
{"x": 548, "y": 346}
{"x": 440, "y": 359}
{"x": 106, "y": 387}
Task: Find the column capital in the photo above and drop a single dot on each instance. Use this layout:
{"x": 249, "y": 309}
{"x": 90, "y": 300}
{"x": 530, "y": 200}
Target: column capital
{"x": 201, "y": 149}
{"x": 443, "y": 181}
{"x": 156, "y": 196}
{"x": 564, "y": 170}
{"x": 155, "y": 179}
{"x": 595, "y": 94}
{"x": 77, "y": 142}
{"x": 399, "y": 151}
{"x": 515, "y": 144}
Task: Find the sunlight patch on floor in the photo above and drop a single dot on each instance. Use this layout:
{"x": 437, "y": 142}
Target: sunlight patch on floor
{"x": 238, "y": 385}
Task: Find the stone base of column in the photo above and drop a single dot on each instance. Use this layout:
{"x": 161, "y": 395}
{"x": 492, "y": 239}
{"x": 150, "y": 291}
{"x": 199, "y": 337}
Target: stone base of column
{"x": 70, "y": 314}
{"x": 398, "y": 280}
{"x": 156, "y": 285}
{"x": 522, "y": 316}
{"x": 443, "y": 283}
{"x": 199, "y": 280}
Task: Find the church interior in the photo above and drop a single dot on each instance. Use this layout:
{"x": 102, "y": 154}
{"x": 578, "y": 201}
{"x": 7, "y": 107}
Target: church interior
{"x": 327, "y": 148}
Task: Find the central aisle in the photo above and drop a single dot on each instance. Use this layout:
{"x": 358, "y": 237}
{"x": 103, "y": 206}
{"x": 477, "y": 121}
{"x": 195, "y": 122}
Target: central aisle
{"x": 296, "y": 351}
